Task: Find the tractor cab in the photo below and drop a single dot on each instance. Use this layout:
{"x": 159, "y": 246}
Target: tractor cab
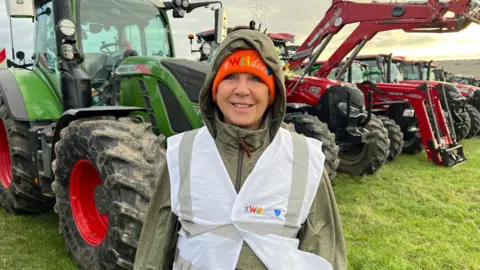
{"x": 208, "y": 46}
{"x": 107, "y": 33}
{"x": 374, "y": 64}
{"x": 417, "y": 70}
{"x": 113, "y": 30}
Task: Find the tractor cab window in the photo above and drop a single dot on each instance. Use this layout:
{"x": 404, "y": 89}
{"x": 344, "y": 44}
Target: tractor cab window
{"x": 45, "y": 45}
{"x": 397, "y": 75}
{"x": 425, "y": 73}
{"x": 410, "y": 71}
{"x": 372, "y": 66}
{"x": 357, "y": 72}
{"x": 111, "y": 28}
{"x": 334, "y": 73}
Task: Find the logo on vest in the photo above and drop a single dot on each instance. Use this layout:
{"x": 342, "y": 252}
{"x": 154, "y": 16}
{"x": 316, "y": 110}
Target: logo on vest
{"x": 262, "y": 211}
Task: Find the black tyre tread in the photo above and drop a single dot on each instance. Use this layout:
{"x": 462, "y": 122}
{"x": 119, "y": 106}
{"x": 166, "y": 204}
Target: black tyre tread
{"x": 375, "y": 154}
{"x": 474, "y": 115}
{"x": 23, "y": 196}
{"x": 462, "y": 132}
{"x": 312, "y": 127}
{"x": 395, "y": 135}
{"x": 128, "y": 157}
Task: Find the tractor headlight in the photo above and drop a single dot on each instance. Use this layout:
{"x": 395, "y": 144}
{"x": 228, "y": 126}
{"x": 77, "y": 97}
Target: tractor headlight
{"x": 474, "y": 10}
{"x": 408, "y": 113}
{"x": 67, "y": 27}
{"x": 354, "y": 111}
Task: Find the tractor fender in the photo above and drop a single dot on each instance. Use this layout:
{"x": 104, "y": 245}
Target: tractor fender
{"x": 29, "y": 96}
{"x": 74, "y": 114}
{"x": 12, "y": 96}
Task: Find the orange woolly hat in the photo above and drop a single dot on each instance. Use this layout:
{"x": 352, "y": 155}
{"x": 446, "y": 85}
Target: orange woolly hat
{"x": 245, "y": 61}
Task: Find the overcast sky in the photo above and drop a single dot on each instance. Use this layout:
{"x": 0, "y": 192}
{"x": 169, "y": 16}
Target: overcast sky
{"x": 286, "y": 16}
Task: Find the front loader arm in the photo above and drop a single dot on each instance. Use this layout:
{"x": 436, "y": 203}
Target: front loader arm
{"x": 342, "y": 13}
{"x": 365, "y": 31}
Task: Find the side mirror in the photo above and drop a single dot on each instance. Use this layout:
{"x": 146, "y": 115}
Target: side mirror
{"x": 220, "y": 25}
{"x": 20, "y": 9}
{"x": 20, "y": 55}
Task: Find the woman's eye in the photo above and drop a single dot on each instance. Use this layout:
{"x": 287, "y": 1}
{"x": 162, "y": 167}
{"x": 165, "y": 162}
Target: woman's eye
{"x": 230, "y": 77}
{"x": 256, "y": 78}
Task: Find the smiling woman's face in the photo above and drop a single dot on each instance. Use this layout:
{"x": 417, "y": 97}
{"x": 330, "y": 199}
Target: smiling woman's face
{"x": 243, "y": 99}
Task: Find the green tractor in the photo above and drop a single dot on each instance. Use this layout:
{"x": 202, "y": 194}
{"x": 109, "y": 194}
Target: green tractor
{"x": 96, "y": 166}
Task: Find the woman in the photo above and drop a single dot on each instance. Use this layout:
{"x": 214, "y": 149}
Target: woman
{"x": 243, "y": 192}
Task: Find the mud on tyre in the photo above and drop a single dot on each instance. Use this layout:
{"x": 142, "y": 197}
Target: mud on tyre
{"x": 312, "y": 127}
{"x": 105, "y": 173}
{"x": 395, "y": 136}
{"x": 18, "y": 191}
{"x": 367, "y": 158}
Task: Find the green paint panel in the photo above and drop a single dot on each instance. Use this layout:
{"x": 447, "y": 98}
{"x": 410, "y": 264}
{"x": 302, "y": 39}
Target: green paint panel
{"x": 40, "y": 99}
{"x": 132, "y": 94}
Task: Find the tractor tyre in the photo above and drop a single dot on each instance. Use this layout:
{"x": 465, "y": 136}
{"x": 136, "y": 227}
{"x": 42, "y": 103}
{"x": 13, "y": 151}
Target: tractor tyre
{"x": 395, "y": 135}
{"x": 105, "y": 173}
{"x": 474, "y": 115}
{"x": 413, "y": 144}
{"x": 18, "y": 192}
{"x": 311, "y": 126}
{"x": 369, "y": 157}
{"x": 462, "y": 129}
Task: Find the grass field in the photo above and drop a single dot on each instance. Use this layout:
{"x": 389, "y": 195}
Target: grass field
{"x": 411, "y": 215}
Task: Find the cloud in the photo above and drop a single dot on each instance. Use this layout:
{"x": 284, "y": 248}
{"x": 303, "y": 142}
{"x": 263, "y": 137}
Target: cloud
{"x": 298, "y": 17}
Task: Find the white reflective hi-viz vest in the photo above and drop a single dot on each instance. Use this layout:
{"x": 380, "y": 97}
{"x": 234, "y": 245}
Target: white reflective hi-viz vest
{"x": 267, "y": 213}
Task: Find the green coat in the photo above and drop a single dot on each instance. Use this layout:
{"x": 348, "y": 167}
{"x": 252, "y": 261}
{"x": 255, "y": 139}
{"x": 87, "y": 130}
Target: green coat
{"x": 321, "y": 233}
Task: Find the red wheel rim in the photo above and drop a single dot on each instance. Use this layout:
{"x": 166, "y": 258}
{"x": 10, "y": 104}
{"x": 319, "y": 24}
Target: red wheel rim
{"x": 91, "y": 224}
{"x": 5, "y": 161}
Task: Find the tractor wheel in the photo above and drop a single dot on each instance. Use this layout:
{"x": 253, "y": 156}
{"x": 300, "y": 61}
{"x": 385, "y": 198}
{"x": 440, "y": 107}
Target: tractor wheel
{"x": 474, "y": 115}
{"x": 105, "y": 173}
{"x": 367, "y": 158}
{"x": 312, "y": 127}
{"x": 462, "y": 129}
{"x": 18, "y": 191}
{"x": 395, "y": 135}
{"x": 412, "y": 143}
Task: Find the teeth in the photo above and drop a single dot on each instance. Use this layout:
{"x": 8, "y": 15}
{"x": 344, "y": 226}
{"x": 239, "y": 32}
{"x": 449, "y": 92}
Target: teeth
{"x": 242, "y": 105}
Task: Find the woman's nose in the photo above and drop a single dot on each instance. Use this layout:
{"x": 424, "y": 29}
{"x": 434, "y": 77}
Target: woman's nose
{"x": 242, "y": 87}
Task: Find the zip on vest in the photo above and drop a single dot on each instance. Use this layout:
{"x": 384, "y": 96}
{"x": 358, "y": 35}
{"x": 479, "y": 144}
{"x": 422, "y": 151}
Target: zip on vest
{"x": 238, "y": 180}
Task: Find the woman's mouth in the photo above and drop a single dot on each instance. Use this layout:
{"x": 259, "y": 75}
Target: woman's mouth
{"x": 240, "y": 105}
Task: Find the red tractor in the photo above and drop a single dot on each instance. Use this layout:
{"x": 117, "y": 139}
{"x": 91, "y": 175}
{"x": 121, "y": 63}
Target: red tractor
{"x": 356, "y": 73}
{"x": 396, "y": 70}
{"x": 374, "y": 18}
{"x": 421, "y": 70}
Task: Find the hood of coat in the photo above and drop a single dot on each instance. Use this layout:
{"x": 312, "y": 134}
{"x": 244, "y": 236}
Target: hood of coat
{"x": 245, "y": 39}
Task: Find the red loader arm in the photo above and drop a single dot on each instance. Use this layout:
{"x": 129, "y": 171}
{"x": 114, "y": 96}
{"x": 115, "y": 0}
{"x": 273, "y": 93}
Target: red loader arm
{"x": 375, "y": 18}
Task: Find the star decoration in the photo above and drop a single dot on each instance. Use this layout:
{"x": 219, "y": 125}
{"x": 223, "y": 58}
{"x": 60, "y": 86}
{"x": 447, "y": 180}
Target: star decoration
{"x": 259, "y": 12}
